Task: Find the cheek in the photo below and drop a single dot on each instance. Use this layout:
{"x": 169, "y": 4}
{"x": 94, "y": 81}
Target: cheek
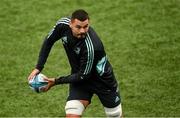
{"x": 87, "y": 29}
{"x": 75, "y": 30}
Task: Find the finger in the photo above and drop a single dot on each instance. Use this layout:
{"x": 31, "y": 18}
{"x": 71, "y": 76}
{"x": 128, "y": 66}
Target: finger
{"x": 30, "y": 77}
{"x": 33, "y": 73}
{"x": 46, "y": 79}
{"x": 46, "y": 89}
{"x": 42, "y": 89}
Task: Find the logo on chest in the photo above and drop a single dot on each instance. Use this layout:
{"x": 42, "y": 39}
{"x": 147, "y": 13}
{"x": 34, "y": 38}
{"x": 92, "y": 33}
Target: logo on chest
{"x": 64, "y": 39}
{"x": 77, "y": 50}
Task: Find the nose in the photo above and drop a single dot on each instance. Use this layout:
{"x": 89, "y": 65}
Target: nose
{"x": 82, "y": 30}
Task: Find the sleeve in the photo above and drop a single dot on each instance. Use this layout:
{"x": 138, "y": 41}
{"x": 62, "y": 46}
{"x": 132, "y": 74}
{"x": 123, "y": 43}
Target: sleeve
{"x": 86, "y": 64}
{"x": 54, "y": 35}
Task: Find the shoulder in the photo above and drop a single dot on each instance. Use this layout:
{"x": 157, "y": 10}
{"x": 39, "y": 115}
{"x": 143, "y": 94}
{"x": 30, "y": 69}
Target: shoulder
{"x": 62, "y": 24}
{"x": 63, "y": 20}
{"x": 95, "y": 39}
{"x": 93, "y": 33}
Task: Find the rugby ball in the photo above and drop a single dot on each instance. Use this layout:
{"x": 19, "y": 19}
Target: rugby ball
{"x": 38, "y": 82}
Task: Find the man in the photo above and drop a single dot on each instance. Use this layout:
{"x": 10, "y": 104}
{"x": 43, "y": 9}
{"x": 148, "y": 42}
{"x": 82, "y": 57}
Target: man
{"x": 91, "y": 72}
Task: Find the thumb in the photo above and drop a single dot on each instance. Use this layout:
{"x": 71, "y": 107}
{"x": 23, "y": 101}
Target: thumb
{"x": 46, "y": 79}
{"x": 49, "y": 85}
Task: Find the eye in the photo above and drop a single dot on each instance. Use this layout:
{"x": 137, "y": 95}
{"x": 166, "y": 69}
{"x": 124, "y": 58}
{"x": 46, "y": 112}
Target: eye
{"x": 85, "y": 26}
{"x": 78, "y": 27}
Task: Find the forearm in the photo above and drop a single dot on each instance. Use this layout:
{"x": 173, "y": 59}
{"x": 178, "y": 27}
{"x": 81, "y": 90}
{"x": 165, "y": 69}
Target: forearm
{"x": 77, "y": 77}
{"x": 49, "y": 41}
{"x": 44, "y": 52}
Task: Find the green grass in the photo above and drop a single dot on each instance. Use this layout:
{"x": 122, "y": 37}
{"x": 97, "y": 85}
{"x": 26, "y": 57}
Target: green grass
{"x": 141, "y": 38}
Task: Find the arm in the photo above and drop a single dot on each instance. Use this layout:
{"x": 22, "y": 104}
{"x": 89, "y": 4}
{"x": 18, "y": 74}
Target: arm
{"x": 84, "y": 73}
{"x": 86, "y": 63}
{"x": 52, "y": 37}
{"x": 46, "y": 47}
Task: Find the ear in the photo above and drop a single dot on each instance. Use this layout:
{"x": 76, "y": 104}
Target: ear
{"x": 70, "y": 24}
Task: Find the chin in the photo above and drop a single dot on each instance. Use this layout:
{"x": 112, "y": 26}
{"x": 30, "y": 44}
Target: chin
{"x": 81, "y": 37}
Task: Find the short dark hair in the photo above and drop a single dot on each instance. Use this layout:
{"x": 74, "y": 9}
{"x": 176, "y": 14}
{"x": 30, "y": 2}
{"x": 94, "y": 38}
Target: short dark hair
{"x": 80, "y": 14}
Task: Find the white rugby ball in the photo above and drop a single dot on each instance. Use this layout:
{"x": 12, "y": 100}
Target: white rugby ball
{"x": 38, "y": 82}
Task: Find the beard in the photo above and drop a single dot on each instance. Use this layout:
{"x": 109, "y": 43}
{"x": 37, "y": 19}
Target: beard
{"x": 82, "y": 35}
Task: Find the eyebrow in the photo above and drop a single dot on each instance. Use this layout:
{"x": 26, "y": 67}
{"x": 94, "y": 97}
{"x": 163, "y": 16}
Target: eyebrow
{"x": 79, "y": 26}
{"x": 86, "y": 25}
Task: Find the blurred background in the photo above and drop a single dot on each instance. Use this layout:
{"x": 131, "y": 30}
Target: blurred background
{"x": 141, "y": 38}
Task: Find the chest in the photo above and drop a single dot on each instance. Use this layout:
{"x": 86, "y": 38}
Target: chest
{"x": 71, "y": 44}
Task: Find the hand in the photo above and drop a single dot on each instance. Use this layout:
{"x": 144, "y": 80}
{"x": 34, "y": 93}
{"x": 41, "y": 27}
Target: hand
{"x": 33, "y": 73}
{"x": 51, "y": 83}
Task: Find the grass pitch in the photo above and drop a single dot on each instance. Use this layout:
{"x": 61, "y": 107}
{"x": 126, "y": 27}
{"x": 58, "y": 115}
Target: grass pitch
{"x": 141, "y": 38}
